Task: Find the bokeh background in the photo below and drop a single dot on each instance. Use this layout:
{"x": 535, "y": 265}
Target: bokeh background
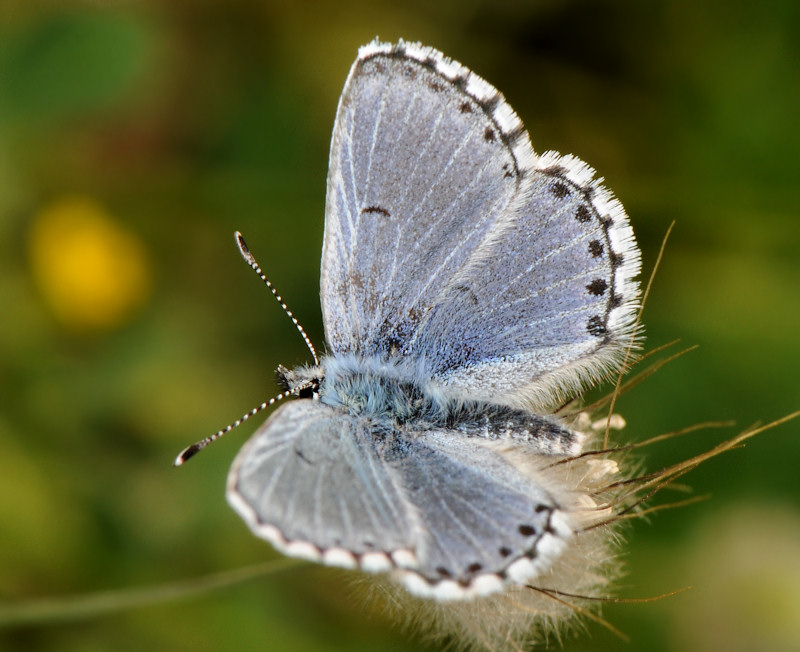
{"x": 135, "y": 137}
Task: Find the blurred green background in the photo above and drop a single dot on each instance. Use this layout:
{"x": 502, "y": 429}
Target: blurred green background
{"x": 135, "y": 137}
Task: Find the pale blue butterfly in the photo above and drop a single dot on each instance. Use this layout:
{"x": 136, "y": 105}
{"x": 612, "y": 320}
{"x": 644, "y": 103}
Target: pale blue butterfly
{"x": 468, "y": 287}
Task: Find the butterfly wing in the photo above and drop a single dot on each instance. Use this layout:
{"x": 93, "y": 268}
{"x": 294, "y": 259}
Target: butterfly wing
{"x": 549, "y": 304}
{"x": 447, "y": 240}
{"x": 426, "y": 158}
{"x": 448, "y": 514}
{"x": 310, "y": 481}
{"x": 484, "y": 521}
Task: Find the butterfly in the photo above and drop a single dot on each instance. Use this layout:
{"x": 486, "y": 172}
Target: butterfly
{"x": 469, "y": 286}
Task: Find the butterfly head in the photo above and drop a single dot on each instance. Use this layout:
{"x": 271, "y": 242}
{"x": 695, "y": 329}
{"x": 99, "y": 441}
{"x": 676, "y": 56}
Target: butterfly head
{"x": 303, "y": 381}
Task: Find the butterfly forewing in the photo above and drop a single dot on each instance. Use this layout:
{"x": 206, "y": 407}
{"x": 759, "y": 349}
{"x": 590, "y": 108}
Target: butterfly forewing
{"x": 313, "y": 480}
{"x": 426, "y": 159}
{"x": 312, "y": 474}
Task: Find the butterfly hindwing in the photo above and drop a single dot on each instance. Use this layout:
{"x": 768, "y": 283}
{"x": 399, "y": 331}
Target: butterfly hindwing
{"x": 312, "y": 474}
{"x": 465, "y": 494}
{"x": 552, "y": 295}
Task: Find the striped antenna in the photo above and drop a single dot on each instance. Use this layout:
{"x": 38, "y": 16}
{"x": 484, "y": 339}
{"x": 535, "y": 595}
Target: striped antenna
{"x": 250, "y": 260}
{"x": 191, "y": 451}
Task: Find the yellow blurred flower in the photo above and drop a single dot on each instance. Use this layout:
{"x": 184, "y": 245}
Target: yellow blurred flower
{"x": 92, "y": 272}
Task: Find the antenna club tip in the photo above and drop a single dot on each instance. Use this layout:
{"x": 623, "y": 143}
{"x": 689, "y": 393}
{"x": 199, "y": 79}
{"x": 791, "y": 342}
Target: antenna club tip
{"x": 185, "y": 455}
{"x": 240, "y": 242}
{"x": 244, "y": 250}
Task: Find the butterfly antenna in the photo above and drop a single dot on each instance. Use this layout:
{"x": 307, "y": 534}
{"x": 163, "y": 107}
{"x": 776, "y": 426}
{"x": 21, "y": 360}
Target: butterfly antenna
{"x": 191, "y": 451}
{"x": 250, "y": 260}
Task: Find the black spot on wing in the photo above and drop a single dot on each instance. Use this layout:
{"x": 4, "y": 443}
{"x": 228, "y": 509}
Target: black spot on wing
{"x": 583, "y": 214}
{"x": 597, "y": 287}
{"x": 596, "y": 326}
{"x": 376, "y": 209}
{"x": 559, "y": 190}
{"x": 489, "y": 104}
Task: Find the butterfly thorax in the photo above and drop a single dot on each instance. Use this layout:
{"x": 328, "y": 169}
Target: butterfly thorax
{"x": 383, "y": 390}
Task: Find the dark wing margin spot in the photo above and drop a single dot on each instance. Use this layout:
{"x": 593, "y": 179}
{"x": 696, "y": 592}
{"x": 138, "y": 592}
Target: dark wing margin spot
{"x": 596, "y": 248}
{"x": 555, "y": 171}
{"x": 583, "y": 214}
{"x": 515, "y": 134}
{"x": 596, "y": 326}
{"x": 527, "y": 530}
{"x": 597, "y": 287}
{"x": 488, "y": 135}
{"x": 559, "y": 190}
{"x": 465, "y": 107}
{"x": 460, "y": 82}
{"x": 376, "y": 209}
{"x": 489, "y": 104}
